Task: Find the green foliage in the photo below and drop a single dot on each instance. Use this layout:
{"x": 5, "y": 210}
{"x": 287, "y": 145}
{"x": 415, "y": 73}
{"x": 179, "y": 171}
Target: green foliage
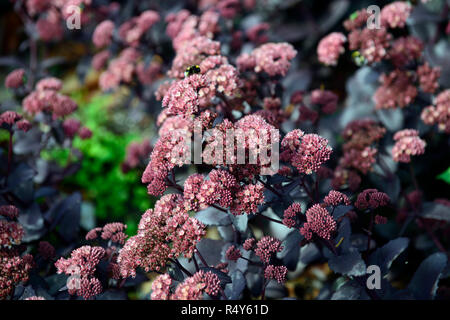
{"x": 445, "y": 175}
{"x": 117, "y": 196}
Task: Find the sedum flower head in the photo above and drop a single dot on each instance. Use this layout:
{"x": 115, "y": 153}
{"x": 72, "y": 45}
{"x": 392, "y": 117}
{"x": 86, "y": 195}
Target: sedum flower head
{"x": 15, "y": 79}
{"x": 318, "y": 222}
{"x": 330, "y": 48}
{"x": 164, "y": 232}
{"x": 371, "y": 199}
{"x": 394, "y": 15}
{"x": 408, "y": 143}
{"x": 267, "y": 247}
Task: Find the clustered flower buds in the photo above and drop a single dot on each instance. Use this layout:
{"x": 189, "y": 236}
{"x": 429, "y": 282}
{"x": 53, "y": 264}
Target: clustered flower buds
{"x": 439, "y": 113}
{"x": 110, "y": 231}
{"x": 318, "y": 222}
{"x": 408, "y": 143}
{"x": 192, "y": 288}
{"x": 81, "y": 267}
{"x": 330, "y": 48}
{"x": 359, "y": 152}
{"x": 46, "y": 98}
{"x": 335, "y": 198}
{"x": 11, "y": 232}
{"x": 371, "y": 199}
{"x": 11, "y": 118}
{"x": 306, "y": 152}
{"x": 219, "y": 80}
{"x": 15, "y": 79}
{"x": 290, "y": 214}
{"x": 394, "y": 15}
{"x": 14, "y": 269}
{"x": 271, "y": 58}
{"x": 164, "y": 232}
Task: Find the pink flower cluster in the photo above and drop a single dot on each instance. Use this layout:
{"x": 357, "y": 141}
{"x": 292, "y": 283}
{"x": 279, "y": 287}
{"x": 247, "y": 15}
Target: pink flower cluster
{"x": 399, "y": 87}
{"x": 50, "y": 15}
{"x": 290, "y": 215}
{"x": 359, "y": 152}
{"x": 276, "y": 272}
{"x": 193, "y": 288}
{"x": 266, "y": 247}
{"x": 12, "y": 118}
{"x": 405, "y": 50}
{"x": 330, "y": 48}
{"x": 169, "y": 151}
{"x": 72, "y": 127}
{"x": 233, "y": 253}
{"x": 100, "y": 59}
{"x": 249, "y": 244}
{"x": 81, "y": 267}
{"x": 111, "y": 231}
{"x": 200, "y": 193}
{"x": 15, "y": 79}
{"x": 371, "y": 199}
{"x": 306, "y": 152}
{"x": 318, "y": 222}
{"x": 49, "y": 26}
{"x": 9, "y": 211}
{"x": 164, "y": 232}
{"x": 408, "y": 143}
{"x": 120, "y": 69}
{"x": 102, "y": 35}
{"x": 132, "y": 30}
{"x": 11, "y": 232}
{"x": 184, "y": 28}
{"x": 397, "y": 90}
{"x": 428, "y": 78}
{"x": 46, "y": 98}
{"x": 357, "y": 20}
{"x": 372, "y": 43}
{"x": 395, "y": 14}
{"x": 182, "y": 97}
{"x": 271, "y": 58}
{"x": 191, "y": 53}
{"x": 223, "y": 79}
{"x": 14, "y": 269}
{"x": 161, "y": 287}
{"x": 439, "y": 113}
{"x": 335, "y": 198}
{"x": 247, "y": 199}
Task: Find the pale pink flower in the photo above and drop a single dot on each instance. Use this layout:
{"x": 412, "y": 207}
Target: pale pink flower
{"x": 330, "y": 48}
{"x": 395, "y": 14}
{"x": 408, "y": 143}
{"x": 15, "y": 79}
{"x": 102, "y": 36}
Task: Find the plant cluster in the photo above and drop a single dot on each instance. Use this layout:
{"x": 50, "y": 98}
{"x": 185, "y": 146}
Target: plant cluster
{"x": 350, "y": 188}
